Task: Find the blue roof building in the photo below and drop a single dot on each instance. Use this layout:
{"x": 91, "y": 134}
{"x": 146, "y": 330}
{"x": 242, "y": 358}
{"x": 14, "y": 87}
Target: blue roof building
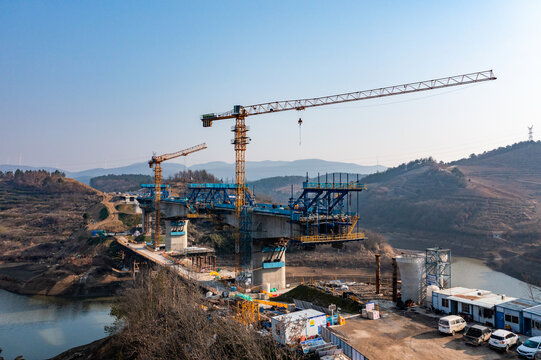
{"x": 532, "y": 321}
{"x": 510, "y": 314}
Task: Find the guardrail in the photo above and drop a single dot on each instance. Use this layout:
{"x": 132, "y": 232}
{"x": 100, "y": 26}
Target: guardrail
{"x": 308, "y": 239}
{"x": 349, "y": 350}
{"x": 338, "y": 186}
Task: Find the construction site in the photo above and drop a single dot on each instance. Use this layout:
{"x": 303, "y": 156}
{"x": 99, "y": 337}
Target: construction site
{"x": 322, "y": 315}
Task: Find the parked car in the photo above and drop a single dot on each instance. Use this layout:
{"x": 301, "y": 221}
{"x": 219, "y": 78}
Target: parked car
{"x": 530, "y": 347}
{"x": 502, "y": 340}
{"x": 477, "y": 334}
{"x": 451, "y": 324}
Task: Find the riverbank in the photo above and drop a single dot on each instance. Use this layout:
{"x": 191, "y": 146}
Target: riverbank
{"x": 94, "y": 279}
{"x": 102, "y": 349}
{"x": 502, "y": 258}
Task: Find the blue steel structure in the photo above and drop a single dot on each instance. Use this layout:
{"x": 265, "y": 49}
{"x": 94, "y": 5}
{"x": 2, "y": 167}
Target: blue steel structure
{"x": 205, "y": 194}
{"x": 322, "y": 208}
{"x": 148, "y": 191}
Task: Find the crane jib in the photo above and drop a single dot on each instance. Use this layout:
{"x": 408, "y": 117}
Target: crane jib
{"x": 302, "y": 104}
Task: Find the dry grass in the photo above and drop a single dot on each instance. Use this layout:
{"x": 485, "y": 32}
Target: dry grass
{"x": 163, "y": 317}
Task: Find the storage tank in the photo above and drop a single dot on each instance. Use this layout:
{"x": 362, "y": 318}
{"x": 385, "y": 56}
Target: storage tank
{"x": 428, "y": 298}
{"x": 412, "y": 273}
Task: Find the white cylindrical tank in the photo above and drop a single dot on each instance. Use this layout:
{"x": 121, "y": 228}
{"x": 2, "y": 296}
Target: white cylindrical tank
{"x": 429, "y": 290}
{"x": 412, "y": 273}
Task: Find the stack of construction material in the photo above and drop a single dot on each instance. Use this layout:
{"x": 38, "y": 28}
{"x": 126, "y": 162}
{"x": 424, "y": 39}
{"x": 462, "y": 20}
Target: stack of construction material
{"x": 373, "y": 314}
{"x": 369, "y": 312}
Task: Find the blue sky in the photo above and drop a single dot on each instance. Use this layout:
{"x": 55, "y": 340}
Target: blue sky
{"x": 106, "y": 83}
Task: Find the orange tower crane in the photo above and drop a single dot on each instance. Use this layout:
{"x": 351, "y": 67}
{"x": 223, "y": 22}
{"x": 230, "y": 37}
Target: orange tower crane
{"x": 156, "y": 162}
{"x": 239, "y": 113}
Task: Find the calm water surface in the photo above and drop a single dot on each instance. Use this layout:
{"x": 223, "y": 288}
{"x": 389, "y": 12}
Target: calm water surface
{"x": 42, "y": 327}
{"x": 473, "y": 273}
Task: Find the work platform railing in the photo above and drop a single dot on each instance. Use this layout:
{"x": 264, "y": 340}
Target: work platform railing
{"x": 338, "y": 186}
{"x": 314, "y": 239}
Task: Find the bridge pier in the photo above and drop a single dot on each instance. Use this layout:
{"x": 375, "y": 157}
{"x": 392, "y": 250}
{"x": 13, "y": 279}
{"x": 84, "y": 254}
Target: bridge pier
{"x": 269, "y": 261}
{"x": 145, "y": 221}
{"x": 176, "y": 235}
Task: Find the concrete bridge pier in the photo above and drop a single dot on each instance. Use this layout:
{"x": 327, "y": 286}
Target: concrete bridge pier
{"x": 176, "y": 235}
{"x": 269, "y": 264}
{"x": 145, "y": 221}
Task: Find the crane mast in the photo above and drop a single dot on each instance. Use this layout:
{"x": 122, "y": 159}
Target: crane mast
{"x": 239, "y": 113}
{"x": 156, "y": 162}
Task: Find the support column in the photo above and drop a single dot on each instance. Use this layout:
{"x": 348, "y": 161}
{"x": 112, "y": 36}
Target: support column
{"x": 269, "y": 265}
{"x": 176, "y": 235}
{"x": 378, "y": 273}
{"x": 145, "y": 220}
{"x": 395, "y": 280}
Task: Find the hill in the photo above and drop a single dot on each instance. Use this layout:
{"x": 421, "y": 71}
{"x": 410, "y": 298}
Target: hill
{"x": 120, "y": 183}
{"x": 486, "y": 206}
{"x": 255, "y": 170}
{"x": 45, "y": 247}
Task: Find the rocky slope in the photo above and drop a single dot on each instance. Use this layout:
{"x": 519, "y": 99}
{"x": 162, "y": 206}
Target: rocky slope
{"x": 45, "y": 244}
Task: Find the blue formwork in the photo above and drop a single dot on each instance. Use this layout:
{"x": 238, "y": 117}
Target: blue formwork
{"x": 273, "y": 265}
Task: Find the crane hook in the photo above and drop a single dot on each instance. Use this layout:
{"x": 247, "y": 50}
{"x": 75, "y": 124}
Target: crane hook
{"x": 300, "y": 124}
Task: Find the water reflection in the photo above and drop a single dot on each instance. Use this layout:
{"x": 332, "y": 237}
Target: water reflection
{"x": 41, "y": 327}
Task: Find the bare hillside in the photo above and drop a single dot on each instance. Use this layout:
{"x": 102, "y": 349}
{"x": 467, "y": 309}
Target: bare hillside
{"x": 487, "y": 205}
{"x": 45, "y": 245}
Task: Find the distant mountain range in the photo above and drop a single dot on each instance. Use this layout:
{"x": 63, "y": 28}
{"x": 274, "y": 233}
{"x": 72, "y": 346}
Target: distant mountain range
{"x": 255, "y": 170}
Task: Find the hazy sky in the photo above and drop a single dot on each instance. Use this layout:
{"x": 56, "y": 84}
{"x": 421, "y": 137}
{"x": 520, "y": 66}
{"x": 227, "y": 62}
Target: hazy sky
{"x": 106, "y": 83}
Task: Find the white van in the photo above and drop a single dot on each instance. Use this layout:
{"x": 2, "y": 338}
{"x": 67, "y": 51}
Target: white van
{"x": 451, "y": 324}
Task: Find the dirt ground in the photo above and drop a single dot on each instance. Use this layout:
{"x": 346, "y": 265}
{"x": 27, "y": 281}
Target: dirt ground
{"x": 365, "y": 274}
{"x": 411, "y": 336}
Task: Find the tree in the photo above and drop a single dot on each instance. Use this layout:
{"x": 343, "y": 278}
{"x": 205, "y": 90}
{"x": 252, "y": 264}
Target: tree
{"x": 165, "y": 317}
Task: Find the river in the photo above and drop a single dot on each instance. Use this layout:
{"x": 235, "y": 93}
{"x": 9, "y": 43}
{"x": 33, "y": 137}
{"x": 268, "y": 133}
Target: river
{"x": 39, "y": 327}
{"x": 473, "y": 273}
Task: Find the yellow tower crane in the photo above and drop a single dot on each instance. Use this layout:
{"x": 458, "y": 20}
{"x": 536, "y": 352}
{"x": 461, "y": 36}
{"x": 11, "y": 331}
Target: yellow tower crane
{"x": 239, "y": 113}
{"x": 156, "y": 162}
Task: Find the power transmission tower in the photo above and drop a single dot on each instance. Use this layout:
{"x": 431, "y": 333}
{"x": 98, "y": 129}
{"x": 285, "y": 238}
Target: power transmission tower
{"x": 530, "y": 133}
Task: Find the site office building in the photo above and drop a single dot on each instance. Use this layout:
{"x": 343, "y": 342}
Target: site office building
{"x": 287, "y": 328}
{"x": 532, "y": 321}
{"x": 511, "y": 315}
{"x": 477, "y": 304}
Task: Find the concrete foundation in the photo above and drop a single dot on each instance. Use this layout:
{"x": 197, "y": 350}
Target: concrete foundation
{"x": 176, "y": 235}
{"x": 269, "y": 265}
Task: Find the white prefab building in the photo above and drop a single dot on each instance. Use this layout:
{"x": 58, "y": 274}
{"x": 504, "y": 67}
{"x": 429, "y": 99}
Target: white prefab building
{"x": 287, "y": 328}
{"x": 532, "y": 321}
{"x": 473, "y": 303}
{"x": 440, "y": 298}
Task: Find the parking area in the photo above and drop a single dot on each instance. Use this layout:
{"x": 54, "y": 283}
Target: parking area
{"x": 409, "y": 335}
